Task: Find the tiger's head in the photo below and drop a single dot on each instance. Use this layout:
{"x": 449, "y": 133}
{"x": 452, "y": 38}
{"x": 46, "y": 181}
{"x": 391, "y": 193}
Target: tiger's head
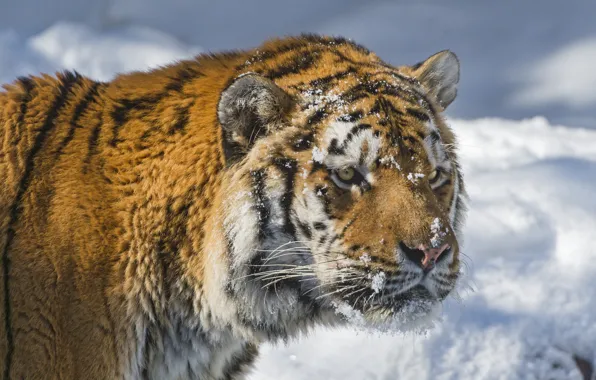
{"x": 342, "y": 187}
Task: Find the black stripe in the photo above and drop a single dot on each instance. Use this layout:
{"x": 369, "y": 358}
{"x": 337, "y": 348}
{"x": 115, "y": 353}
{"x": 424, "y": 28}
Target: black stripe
{"x": 181, "y": 120}
{"x": 355, "y": 247}
{"x": 304, "y": 228}
{"x": 344, "y": 58}
{"x": 317, "y": 116}
{"x": 360, "y": 127}
{"x": 120, "y": 115}
{"x": 289, "y": 167}
{"x": 394, "y": 138}
{"x": 383, "y": 122}
{"x": 263, "y": 56}
{"x": 361, "y": 90}
{"x": 185, "y": 75}
{"x": 236, "y": 366}
{"x": 399, "y": 92}
{"x": 393, "y": 116}
{"x": 300, "y": 62}
{"x": 407, "y": 79}
{"x": 148, "y": 102}
{"x": 92, "y": 143}
{"x": 435, "y": 137}
{"x": 262, "y": 205}
{"x": 323, "y": 239}
{"x": 319, "y": 226}
{"x": 27, "y": 85}
{"x": 318, "y": 166}
{"x": 377, "y": 106}
{"x": 456, "y": 175}
{"x": 303, "y": 142}
{"x": 334, "y": 148}
{"x": 78, "y": 112}
{"x": 333, "y": 239}
{"x": 324, "y": 82}
{"x": 418, "y": 114}
{"x": 390, "y": 107}
{"x": 351, "y": 117}
{"x": 68, "y": 80}
{"x": 368, "y": 87}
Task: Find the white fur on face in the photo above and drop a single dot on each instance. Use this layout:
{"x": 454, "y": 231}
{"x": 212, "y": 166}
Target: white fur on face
{"x": 351, "y": 142}
{"x": 240, "y": 226}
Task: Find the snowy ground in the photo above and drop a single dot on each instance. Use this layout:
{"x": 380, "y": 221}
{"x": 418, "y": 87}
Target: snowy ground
{"x": 529, "y": 304}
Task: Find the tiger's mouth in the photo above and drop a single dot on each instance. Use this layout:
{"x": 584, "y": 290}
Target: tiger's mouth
{"x": 413, "y": 310}
{"x": 395, "y": 302}
{"x": 384, "y": 306}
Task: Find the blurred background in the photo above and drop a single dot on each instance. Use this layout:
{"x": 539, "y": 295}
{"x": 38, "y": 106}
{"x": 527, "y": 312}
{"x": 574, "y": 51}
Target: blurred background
{"x": 526, "y": 120}
{"x": 520, "y": 57}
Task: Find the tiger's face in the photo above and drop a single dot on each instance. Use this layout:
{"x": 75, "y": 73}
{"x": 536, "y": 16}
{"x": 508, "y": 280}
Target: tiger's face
{"x": 350, "y": 196}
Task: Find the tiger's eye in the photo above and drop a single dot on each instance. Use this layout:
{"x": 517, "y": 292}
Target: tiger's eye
{"x": 433, "y": 175}
{"x": 373, "y": 167}
{"x": 346, "y": 174}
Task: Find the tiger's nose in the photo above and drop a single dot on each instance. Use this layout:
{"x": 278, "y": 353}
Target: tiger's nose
{"x": 423, "y": 255}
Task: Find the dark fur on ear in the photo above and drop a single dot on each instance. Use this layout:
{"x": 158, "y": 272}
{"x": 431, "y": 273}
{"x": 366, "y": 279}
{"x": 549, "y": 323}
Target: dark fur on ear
{"x": 439, "y": 74}
{"x": 250, "y": 107}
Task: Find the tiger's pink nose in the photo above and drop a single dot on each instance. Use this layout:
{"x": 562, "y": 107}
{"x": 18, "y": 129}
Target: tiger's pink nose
{"x": 423, "y": 255}
{"x": 431, "y": 255}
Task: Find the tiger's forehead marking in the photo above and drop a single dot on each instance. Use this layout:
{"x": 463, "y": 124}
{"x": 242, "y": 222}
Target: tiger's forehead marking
{"x": 350, "y": 144}
{"x": 335, "y": 108}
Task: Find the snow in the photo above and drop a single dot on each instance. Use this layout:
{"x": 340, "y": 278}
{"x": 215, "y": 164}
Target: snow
{"x": 318, "y": 154}
{"x": 526, "y": 306}
{"x": 378, "y": 281}
{"x": 414, "y": 177}
{"x": 437, "y": 234}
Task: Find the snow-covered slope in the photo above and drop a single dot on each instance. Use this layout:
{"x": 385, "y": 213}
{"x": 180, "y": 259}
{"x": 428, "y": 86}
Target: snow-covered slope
{"x": 529, "y": 303}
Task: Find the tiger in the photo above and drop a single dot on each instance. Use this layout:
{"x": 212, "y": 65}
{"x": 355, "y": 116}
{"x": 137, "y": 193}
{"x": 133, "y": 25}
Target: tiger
{"x": 166, "y": 223}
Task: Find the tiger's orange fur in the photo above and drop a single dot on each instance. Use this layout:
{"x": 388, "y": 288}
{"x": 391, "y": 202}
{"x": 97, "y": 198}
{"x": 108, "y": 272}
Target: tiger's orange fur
{"x": 111, "y": 206}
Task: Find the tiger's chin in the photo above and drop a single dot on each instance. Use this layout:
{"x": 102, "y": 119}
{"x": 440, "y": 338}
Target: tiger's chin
{"x": 416, "y": 310}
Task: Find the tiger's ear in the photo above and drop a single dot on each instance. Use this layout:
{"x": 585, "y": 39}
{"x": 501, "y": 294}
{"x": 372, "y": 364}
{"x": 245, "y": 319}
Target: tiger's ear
{"x": 439, "y": 74}
{"x": 251, "y": 107}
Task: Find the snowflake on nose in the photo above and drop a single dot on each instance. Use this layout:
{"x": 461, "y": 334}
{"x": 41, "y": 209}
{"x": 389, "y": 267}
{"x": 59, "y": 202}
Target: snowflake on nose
{"x": 437, "y": 234}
